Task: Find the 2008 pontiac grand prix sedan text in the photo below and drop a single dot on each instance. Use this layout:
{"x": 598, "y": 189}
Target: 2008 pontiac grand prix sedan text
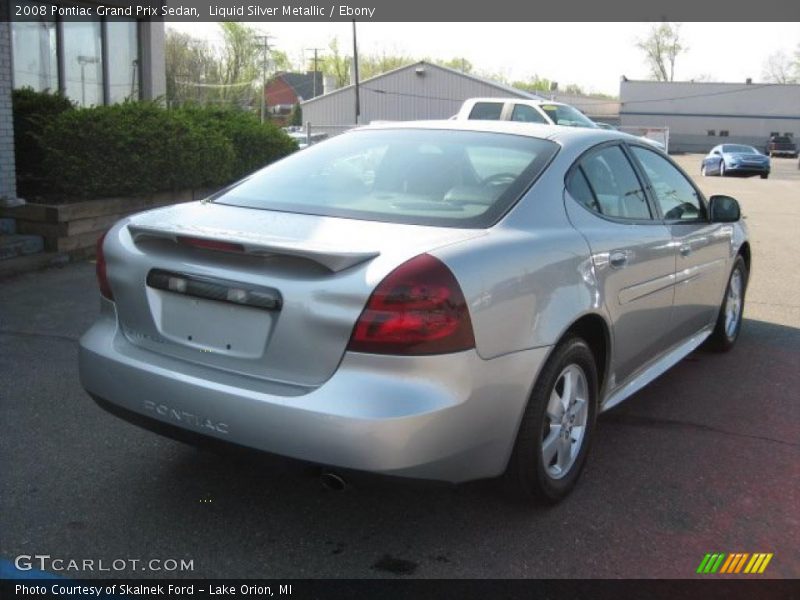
{"x": 451, "y": 301}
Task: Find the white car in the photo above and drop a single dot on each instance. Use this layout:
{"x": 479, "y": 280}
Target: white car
{"x": 532, "y": 111}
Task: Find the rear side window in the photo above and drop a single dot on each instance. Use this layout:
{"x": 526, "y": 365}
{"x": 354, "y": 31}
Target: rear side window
{"x": 578, "y": 188}
{"x": 448, "y": 178}
{"x": 676, "y": 197}
{"x": 486, "y": 111}
{"x": 615, "y": 187}
{"x": 526, "y": 114}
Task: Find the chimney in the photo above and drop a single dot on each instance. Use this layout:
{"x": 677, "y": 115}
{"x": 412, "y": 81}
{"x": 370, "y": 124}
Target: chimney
{"x": 748, "y": 81}
{"x": 328, "y": 83}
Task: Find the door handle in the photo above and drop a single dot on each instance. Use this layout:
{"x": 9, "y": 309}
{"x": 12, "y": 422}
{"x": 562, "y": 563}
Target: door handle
{"x": 617, "y": 260}
{"x": 685, "y": 250}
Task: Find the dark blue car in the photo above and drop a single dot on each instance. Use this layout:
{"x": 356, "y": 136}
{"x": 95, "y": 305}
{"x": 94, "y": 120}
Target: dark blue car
{"x": 735, "y": 159}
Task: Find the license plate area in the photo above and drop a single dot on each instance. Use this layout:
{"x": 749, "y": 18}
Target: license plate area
{"x": 212, "y": 315}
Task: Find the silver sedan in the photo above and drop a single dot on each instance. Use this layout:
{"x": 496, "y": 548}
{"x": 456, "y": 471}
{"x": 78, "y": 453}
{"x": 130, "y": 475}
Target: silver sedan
{"x": 443, "y": 300}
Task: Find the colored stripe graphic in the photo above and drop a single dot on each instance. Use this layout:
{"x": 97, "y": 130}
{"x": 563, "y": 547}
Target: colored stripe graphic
{"x": 719, "y": 562}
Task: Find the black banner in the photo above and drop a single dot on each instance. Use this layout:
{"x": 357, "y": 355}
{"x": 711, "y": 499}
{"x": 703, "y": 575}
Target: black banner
{"x": 389, "y": 589}
{"x": 410, "y": 10}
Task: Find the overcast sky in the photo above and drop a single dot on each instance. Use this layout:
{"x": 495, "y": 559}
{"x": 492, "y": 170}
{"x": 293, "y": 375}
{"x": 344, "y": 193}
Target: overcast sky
{"x": 593, "y": 55}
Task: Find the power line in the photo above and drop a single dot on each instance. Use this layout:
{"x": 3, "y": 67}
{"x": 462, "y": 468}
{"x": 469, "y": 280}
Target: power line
{"x": 265, "y": 48}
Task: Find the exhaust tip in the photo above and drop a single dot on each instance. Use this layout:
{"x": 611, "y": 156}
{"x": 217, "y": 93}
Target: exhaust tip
{"x": 332, "y": 481}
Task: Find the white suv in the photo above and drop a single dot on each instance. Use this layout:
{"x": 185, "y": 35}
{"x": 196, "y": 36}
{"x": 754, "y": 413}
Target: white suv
{"x": 525, "y": 111}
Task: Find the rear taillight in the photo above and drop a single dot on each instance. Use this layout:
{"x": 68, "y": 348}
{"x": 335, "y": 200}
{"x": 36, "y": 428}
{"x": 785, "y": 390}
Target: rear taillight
{"x": 100, "y": 268}
{"x": 417, "y": 309}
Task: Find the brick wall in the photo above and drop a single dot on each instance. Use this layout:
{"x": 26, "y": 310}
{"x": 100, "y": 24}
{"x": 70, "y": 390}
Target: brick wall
{"x": 8, "y": 186}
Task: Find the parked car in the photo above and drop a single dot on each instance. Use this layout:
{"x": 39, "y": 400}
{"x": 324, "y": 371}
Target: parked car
{"x": 303, "y": 139}
{"x": 524, "y": 111}
{"x": 781, "y": 145}
{"x": 607, "y": 126}
{"x": 735, "y": 159}
{"x": 531, "y": 111}
{"x": 446, "y": 300}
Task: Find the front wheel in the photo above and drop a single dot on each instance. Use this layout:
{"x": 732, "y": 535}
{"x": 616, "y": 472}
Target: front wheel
{"x": 703, "y": 170}
{"x": 729, "y": 321}
{"x": 557, "y": 427}
{"x": 764, "y": 175}
{"x": 722, "y": 168}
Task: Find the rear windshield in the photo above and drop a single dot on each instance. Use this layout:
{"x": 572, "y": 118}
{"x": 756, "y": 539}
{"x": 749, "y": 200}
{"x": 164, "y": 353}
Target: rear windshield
{"x": 417, "y": 176}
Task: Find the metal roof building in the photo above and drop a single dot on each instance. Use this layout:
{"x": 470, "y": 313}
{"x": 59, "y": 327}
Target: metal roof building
{"x": 702, "y": 115}
{"x": 417, "y": 91}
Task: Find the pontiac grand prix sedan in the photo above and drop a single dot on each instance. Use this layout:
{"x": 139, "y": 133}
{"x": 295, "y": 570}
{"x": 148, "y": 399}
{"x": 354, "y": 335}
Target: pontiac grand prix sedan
{"x": 445, "y": 300}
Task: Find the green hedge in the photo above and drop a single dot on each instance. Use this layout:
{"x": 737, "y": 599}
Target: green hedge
{"x": 139, "y": 148}
{"x": 254, "y": 144}
{"x": 32, "y": 112}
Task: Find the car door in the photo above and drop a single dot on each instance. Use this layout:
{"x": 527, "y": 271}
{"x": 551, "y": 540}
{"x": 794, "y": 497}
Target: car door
{"x": 631, "y": 251}
{"x": 702, "y": 248}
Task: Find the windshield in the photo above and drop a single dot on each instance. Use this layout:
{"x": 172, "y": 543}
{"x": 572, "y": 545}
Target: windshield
{"x": 418, "y": 176}
{"x": 562, "y": 114}
{"x": 739, "y": 149}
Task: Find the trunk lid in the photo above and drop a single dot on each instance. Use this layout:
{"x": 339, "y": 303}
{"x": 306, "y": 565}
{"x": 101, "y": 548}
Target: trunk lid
{"x": 277, "y": 302}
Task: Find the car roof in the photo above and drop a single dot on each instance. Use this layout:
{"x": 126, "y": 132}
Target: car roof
{"x": 536, "y": 101}
{"x": 556, "y": 133}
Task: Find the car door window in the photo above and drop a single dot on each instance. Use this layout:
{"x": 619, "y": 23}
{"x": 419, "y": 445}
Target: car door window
{"x": 615, "y": 188}
{"x": 526, "y": 114}
{"x": 486, "y": 111}
{"x": 676, "y": 196}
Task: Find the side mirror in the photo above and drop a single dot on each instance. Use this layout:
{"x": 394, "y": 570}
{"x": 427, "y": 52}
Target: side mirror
{"x": 724, "y": 209}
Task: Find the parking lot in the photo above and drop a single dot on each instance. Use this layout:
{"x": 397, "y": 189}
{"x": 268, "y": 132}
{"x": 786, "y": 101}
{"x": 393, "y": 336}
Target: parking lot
{"x": 706, "y": 459}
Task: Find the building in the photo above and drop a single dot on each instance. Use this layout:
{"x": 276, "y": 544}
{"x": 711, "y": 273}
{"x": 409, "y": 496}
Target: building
{"x": 417, "y": 91}
{"x": 99, "y": 61}
{"x": 701, "y": 115}
{"x": 286, "y": 90}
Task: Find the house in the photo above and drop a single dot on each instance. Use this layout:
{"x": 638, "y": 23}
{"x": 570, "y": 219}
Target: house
{"x": 701, "y": 115}
{"x": 93, "y": 61}
{"x": 286, "y": 90}
{"x": 420, "y": 90}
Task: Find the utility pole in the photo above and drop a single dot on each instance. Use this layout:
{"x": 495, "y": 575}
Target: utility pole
{"x": 315, "y": 50}
{"x": 355, "y": 68}
{"x": 264, "y": 43}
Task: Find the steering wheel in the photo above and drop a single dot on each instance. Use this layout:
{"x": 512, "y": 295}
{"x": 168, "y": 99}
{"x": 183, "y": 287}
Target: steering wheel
{"x": 499, "y": 179}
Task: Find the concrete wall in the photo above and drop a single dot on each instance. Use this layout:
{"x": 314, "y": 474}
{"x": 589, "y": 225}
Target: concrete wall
{"x": 154, "y": 70}
{"x": 402, "y": 95}
{"x": 8, "y": 185}
{"x": 748, "y": 112}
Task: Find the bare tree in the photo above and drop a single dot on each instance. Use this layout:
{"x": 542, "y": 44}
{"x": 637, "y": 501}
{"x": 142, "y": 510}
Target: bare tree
{"x": 661, "y": 47}
{"x": 780, "y": 68}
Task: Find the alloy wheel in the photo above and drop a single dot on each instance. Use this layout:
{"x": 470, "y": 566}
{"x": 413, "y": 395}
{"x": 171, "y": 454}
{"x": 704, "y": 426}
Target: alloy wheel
{"x": 733, "y": 304}
{"x": 565, "y": 424}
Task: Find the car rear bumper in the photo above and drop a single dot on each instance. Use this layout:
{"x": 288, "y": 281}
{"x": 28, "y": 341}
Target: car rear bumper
{"x": 448, "y": 417}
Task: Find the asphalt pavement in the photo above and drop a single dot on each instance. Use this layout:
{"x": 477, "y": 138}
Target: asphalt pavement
{"x": 705, "y": 459}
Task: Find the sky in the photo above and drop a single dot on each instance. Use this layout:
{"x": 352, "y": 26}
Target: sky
{"x": 593, "y": 55}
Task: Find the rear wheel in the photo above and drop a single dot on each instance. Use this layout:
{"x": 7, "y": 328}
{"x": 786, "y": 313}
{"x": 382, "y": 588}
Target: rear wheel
{"x": 557, "y": 427}
{"x": 729, "y": 321}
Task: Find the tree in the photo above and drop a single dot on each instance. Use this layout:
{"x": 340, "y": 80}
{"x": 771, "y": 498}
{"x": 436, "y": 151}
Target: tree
{"x": 459, "y": 63}
{"x": 296, "y": 118}
{"x": 661, "y": 47}
{"x": 188, "y": 62}
{"x": 782, "y": 68}
{"x": 335, "y": 64}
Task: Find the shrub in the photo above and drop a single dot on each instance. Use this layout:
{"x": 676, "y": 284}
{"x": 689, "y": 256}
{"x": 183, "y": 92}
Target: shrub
{"x": 133, "y": 148}
{"x": 255, "y": 144}
{"x": 140, "y": 148}
{"x": 32, "y": 111}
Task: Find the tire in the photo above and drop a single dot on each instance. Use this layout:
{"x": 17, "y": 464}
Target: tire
{"x": 703, "y": 171}
{"x": 764, "y": 175}
{"x": 729, "y": 321}
{"x": 529, "y": 475}
{"x": 722, "y": 168}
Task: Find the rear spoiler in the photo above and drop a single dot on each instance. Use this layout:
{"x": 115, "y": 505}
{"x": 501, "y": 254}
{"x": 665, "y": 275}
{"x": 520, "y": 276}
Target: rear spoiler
{"x": 246, "y": 243}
